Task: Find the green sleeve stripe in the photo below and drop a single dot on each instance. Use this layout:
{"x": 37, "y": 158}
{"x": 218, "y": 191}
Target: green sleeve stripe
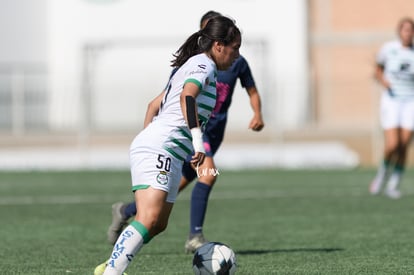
{"x": 185, "y": 134}
{"x": 195, "y": 81}
{"x": 206, "y": 107}
{"x": 176, "y": 155}
{"x": 182, "y": 146}
{"x": 212, "y": 84}
{"x": 142, "y": 230}
{"x": 202, "y": 118}
{"x": 207, "y": 94}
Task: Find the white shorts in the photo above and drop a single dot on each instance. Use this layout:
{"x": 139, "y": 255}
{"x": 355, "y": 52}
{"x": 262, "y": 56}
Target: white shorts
{"x": 155, "y": 168}
{"x": 396, "y": 113}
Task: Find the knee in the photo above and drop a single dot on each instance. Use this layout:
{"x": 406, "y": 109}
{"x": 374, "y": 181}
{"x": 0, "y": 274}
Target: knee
{"x": 154, "y": 224}
{"x": 392, "y": 148}
{"x": 209, "y": 179}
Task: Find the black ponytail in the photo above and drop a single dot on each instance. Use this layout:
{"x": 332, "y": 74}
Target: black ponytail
{"x": 219, "y": 28}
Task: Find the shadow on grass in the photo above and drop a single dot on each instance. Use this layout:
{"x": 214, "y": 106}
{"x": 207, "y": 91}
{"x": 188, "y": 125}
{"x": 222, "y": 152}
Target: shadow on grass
{"x": 292, "y": 250}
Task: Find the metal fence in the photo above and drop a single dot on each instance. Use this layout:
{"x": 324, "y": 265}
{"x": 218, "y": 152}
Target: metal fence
{"x": 23, "y": 98}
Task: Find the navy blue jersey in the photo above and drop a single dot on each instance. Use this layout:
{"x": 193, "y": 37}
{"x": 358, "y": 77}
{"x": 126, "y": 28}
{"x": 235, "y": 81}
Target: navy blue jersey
{"x": 216, "y": 125}
{"x": 226, "y": 81}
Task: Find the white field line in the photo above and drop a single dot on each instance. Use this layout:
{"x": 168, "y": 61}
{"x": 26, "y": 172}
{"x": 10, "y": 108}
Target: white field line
{"x": 227, "y": 195}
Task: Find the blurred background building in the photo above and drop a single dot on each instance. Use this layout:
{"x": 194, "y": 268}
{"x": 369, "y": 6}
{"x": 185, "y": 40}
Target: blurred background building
{"x": 76, "y": 77}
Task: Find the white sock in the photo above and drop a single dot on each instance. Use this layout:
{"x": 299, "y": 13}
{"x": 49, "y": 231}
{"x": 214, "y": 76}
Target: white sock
{"x": 394, "y": 181}
{"x": 381, "y": 173}
{"x": 128, "y": 244}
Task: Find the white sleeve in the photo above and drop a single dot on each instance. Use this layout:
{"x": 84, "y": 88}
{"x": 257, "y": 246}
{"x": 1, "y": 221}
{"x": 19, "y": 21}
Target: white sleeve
{"x": 382, "y": 56}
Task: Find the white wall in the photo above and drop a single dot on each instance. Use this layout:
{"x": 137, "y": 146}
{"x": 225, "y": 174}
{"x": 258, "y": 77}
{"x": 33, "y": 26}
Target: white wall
{"x": 23, "y": 31}
{"x": 128, "y": 71}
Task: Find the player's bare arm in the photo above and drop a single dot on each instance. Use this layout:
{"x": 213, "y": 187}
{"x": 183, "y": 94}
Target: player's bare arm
{"x": 256, "y": 123}
{"x": 153, "y": 108}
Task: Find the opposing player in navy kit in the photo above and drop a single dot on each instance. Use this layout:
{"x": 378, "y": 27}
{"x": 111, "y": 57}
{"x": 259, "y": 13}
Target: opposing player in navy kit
{"x": 158, "y": 152}
{"x": 212, "y": 139}
{"x": 395, "y": 72}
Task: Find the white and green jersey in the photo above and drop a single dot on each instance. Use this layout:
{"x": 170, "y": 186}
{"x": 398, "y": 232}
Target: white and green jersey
{"x": 169, "y": 130}
{"x": 398, "y": 63}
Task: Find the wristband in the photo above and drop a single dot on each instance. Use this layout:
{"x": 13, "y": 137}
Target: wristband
{"x": 197, "y": 140}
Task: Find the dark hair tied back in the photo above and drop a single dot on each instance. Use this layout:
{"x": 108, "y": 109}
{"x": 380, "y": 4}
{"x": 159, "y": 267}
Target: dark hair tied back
{"x": 219, "y": 28}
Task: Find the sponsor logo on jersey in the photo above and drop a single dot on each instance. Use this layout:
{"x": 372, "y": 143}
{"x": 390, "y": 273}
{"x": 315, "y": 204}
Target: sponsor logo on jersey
{"x": 405, "y": 67}
{"x": 162, "y": 178}
{"x": 198, "y": 72}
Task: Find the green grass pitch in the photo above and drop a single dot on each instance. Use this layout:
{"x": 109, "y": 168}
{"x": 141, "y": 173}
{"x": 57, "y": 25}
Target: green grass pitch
{"x": 277, "y": 222}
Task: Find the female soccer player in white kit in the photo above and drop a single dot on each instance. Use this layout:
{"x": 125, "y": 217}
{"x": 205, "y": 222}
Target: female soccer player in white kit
{"x": 212, "y": 138}
{"x": 158, "y": 152}
{"x": 395, "y": 72}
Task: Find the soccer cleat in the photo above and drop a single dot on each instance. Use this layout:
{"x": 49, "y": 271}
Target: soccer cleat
{"x": 392, "y": 193}
{"x": 100, "y": 269}
{"x": 194, "y": 242}
{"x": 118, "y": 223}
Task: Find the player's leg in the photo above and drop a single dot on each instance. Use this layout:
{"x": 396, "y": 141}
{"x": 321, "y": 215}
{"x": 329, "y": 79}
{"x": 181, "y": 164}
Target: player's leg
{"x": 121, "y": 213}
{"x": 390, "y": 148}
{"x": 207, "y": 173}
{"x": 155, "y": 190}
{"x": 405, "y": 134}
{"x": 188, "y": 175}
{"x": 390, "y": 121}
{"x": 149, "y": 222}
{"x": 392, "y": 189}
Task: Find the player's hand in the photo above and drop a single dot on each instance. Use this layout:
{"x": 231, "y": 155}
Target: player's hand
{"x": 256, "y": 124}
{"x": 197, "y": 159}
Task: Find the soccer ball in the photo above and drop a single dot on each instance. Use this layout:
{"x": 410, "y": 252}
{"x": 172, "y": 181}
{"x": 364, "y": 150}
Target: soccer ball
{"x": 214, "y": 258}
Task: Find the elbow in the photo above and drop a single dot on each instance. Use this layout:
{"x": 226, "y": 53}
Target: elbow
{"x": 184, "y": 95}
